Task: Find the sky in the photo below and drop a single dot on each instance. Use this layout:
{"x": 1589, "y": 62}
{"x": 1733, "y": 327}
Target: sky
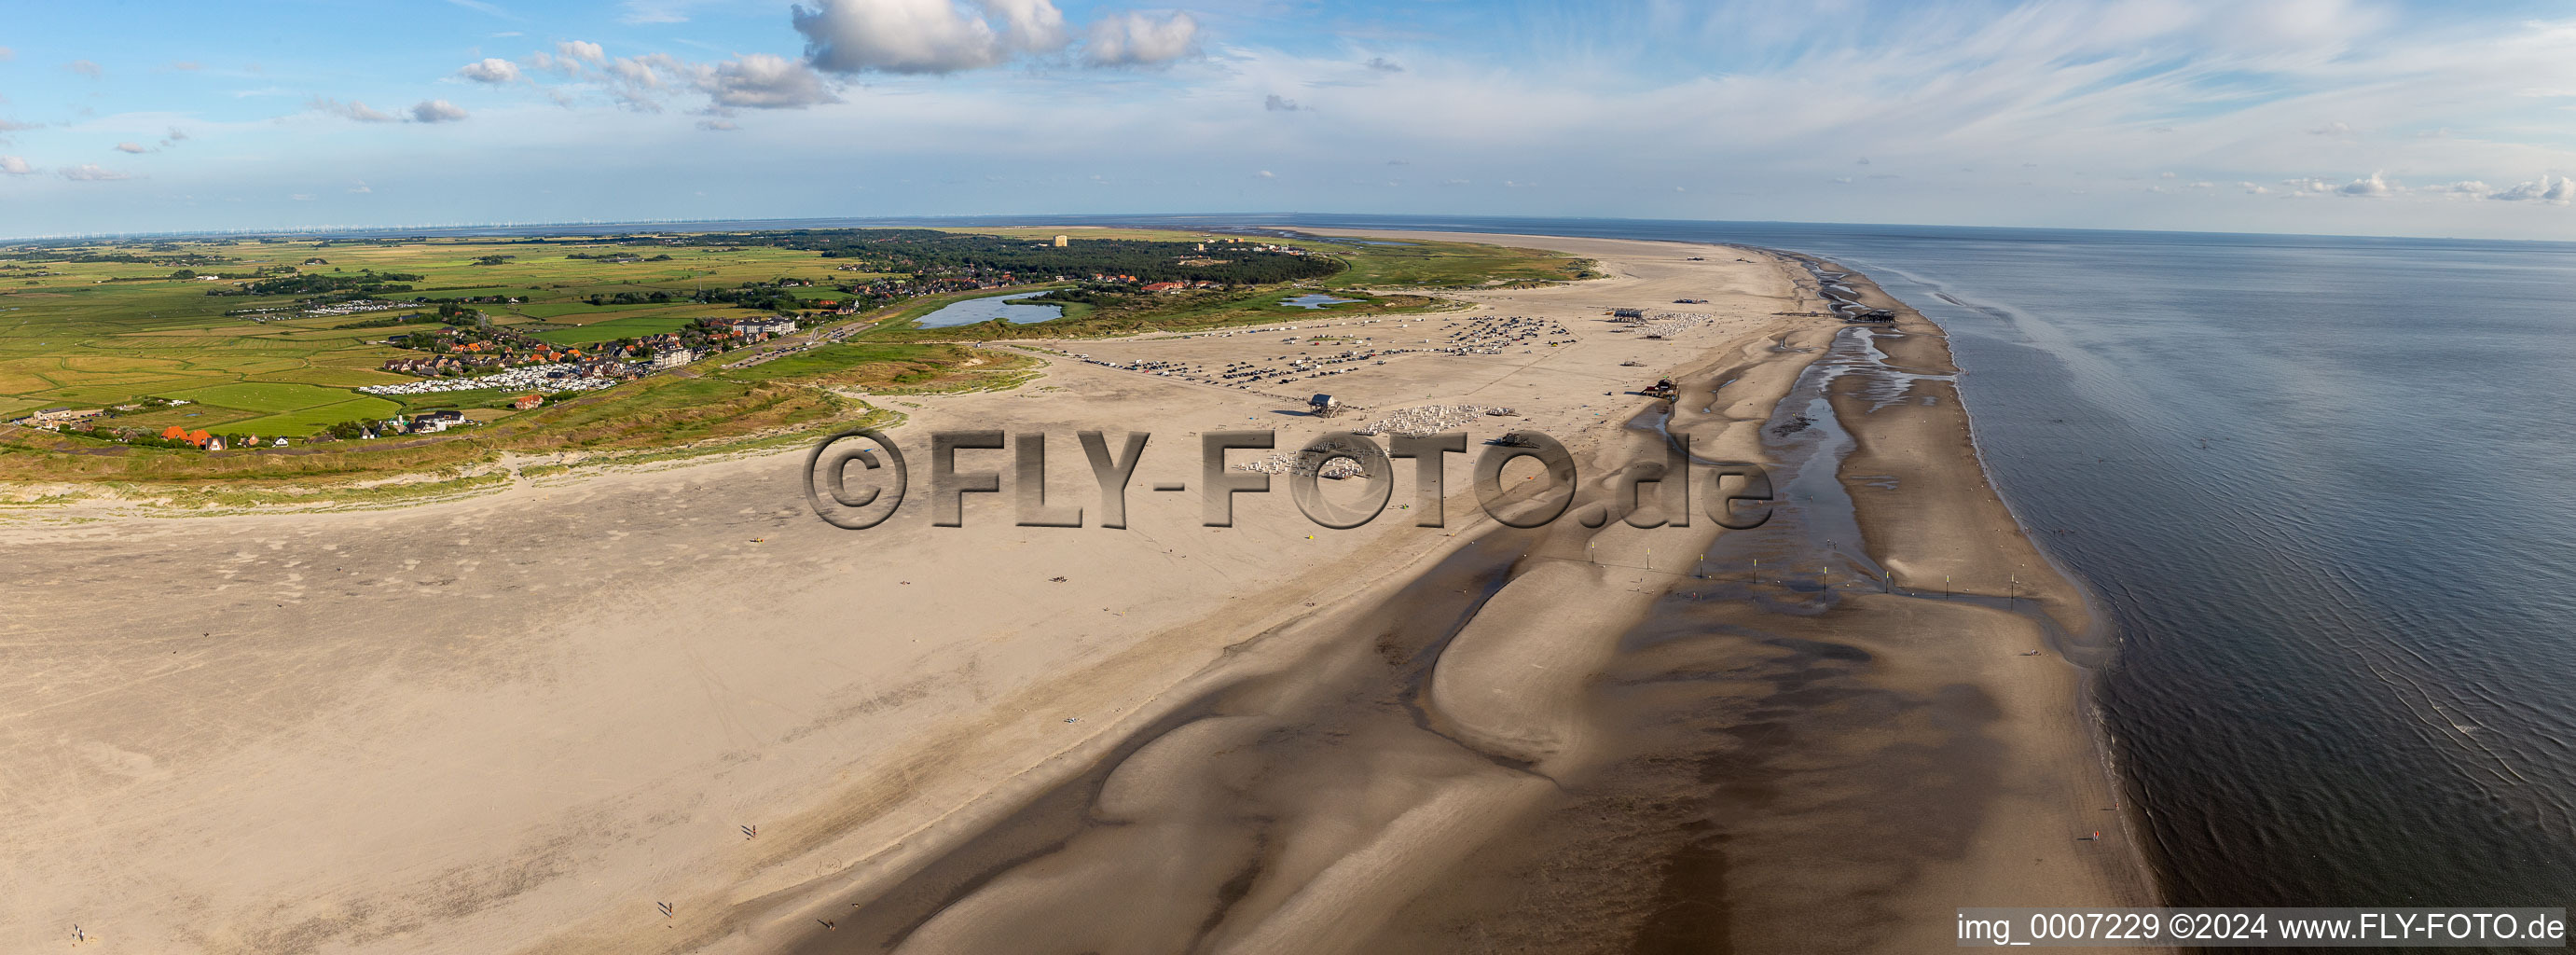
{"x": 2304, "y": 116}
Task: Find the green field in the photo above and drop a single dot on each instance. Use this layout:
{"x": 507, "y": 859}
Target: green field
{"x": 92, "y": 324}
{"x": 576, "y": 312}
{"x": 1457, "y": 265}
{"x": 303, "y": 421}
{"x": 829, "y": 360}
{"x": 69, "y": 337}
{"x": 614, "y": 329}
{"x": 262, "y": 396}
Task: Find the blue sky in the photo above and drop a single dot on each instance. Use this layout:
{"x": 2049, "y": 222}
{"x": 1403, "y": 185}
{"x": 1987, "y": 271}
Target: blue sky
{"x": 2303, "y": 116}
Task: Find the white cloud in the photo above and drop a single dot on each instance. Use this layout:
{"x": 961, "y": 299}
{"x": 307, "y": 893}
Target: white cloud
{"x": 1028, "y": 24}
{"x": 353, "y": 110}
{"x": 2056, "y": 96}
{"x": 1135, "y": 39}
{"x": 131, "y": 148}
{"x": 7, "y": 54}
{"x": 360, "y": 188}
{"x": 2375, "y": 185}
{"x": 436, "y": 111}
{"x": 490, "y": 70}
{"x": 647, "y": 83}
{"x": 85, "y": 68}
{"x": 765, "y": 81}
{"x": 1265, "y": 174}
{"x": 948, "y": 36}
{"x": 2560, "y": 191}
{"x": 582, "y": 51}
{"x": 16, "y": 166}
{"x": 896, "y": 36}
{"x": 90, "y": 172}
{"x": 2545, "y": 189}
{"x": 645, "y": 72}
{"x": 717, "y": 125}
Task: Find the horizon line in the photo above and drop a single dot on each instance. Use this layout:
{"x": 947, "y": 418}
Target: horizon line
{"x": 468, "y": 228}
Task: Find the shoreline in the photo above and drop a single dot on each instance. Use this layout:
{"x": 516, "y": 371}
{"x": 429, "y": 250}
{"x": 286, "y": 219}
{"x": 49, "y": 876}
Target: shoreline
{"x": 1282, "y": 741}
{"x": 2082, "y": 633}
{"x": 1522, "y": 748}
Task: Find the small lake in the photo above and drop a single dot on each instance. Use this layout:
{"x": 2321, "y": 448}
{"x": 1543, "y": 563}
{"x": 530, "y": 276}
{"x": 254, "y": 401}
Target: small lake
{"x": 1314, "y": 300}
{"x": 1005, "y": 307}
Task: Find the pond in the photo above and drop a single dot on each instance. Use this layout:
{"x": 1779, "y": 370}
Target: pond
{"x": 1314, "y": 300}
{"x": 1005, "y": 307}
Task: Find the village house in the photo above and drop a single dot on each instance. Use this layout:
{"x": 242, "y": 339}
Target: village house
{"x": 774, "y": 326}
{"x": 58, "y": 418}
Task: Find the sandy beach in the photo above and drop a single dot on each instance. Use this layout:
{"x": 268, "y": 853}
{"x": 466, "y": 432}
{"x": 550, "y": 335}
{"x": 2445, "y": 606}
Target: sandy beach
{"x": 669, "y": 710}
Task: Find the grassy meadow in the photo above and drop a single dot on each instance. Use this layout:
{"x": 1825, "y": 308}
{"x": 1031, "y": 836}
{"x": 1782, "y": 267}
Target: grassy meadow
{"x": 90, "y": 334}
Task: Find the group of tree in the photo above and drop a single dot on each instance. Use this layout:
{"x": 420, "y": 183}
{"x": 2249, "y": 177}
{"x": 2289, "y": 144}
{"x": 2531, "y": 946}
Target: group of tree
{"x": 655, "y": 297}
{"x": 930, "y": 252}
{"x": 134, "y": 437}
{"x": 363, "y": 283}
{"x": 448, "y": 313}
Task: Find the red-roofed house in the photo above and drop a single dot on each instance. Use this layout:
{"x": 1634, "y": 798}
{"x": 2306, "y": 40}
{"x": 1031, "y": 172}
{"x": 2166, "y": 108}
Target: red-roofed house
{"x": 525, "y": 402}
